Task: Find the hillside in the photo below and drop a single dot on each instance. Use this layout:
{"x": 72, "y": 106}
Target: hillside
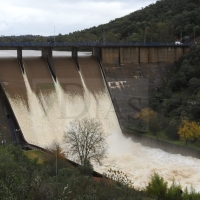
{"x": 164, "y": 21}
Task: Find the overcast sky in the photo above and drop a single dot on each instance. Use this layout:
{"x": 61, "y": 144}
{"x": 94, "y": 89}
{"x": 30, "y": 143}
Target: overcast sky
{"x": 42, "y": 17}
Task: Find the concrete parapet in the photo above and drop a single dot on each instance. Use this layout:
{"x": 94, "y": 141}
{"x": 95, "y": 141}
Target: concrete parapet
{"x": 178, "y": 53}
{"x": 144, "y": 54}
{"x": 161, "y": 54}
{"x": 170, "y": 54}
{"x": 166, "y": 54}
{"x": 136, "y": 55}
{"x": 153, "y": 54}
{"x": 110, "y": 55}
{"x": 185, "y": 50}
{"x": 129, "y": 55}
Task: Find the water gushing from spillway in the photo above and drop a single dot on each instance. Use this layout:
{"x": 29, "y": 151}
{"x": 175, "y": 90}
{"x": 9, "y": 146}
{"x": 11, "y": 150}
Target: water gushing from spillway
{"x": 49, "y": 114}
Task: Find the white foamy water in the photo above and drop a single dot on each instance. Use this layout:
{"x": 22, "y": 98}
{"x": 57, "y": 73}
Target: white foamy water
{"x": 49, "y": 115}
{"x": 37, "y": 124}
{"x": 140, "y": 162}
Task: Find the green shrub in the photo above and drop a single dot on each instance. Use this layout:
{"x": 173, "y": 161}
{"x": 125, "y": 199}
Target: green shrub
{"x": 157, "y": 188}
{"x": 174, "y": 192}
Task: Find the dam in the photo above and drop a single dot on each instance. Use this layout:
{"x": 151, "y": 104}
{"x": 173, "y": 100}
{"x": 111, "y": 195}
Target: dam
{"x": 43, "y": 106}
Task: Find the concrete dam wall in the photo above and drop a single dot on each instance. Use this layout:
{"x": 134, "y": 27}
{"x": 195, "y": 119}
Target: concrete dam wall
{"x": 43, "y": 107}
{"x": 134, "y": 74}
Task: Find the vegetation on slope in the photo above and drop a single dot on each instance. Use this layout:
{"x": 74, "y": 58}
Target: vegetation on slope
{"x": 23, "y": 178}
{"x": 164, "y": 21}
{"x": 181, "y": 94}
{"x": 177, "y": 106}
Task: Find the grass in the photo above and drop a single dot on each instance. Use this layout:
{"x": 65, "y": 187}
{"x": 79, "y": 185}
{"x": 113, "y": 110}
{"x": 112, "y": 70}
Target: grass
{"x": 35, "y": 154}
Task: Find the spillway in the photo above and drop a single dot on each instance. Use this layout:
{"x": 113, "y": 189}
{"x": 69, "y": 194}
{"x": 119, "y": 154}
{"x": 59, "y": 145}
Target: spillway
{"x": 44, "y": 109}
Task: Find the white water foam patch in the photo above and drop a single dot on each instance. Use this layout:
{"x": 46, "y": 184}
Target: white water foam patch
{"x": 50, "y": 118}
{"x": 87, "y": 106}
{"x": 69, "y": 107}
{"x": 140, "y": 162}
{"x": 101, "y": 108}
{"x": 40, "y": 126}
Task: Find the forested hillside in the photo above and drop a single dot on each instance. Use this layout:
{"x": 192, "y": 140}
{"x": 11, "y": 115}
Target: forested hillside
{"x": 164, "y": 21}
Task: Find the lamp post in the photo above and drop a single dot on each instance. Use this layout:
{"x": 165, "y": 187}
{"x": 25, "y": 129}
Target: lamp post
{"x": 56, "y": 163}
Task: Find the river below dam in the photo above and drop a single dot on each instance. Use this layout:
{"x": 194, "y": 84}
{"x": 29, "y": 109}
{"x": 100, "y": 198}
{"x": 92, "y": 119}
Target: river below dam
{"x": 45, "y": 108}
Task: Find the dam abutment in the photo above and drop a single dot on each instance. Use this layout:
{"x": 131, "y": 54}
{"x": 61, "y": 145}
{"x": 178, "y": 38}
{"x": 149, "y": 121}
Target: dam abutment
{"x": 134, "y": 73}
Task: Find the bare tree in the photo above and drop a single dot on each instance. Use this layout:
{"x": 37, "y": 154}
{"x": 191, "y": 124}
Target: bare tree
{"x": 85, "y": 140}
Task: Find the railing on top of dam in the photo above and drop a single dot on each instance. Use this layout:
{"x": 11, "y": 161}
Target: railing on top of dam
{"x": 88, "y": 44}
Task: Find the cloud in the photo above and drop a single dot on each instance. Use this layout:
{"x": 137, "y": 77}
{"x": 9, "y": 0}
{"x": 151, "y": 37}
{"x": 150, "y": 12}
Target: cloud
{"x": 20, "y": 17}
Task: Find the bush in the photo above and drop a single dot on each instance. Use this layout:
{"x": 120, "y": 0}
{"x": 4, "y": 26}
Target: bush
{"x": 157, "y": 188}
{"x": 174, "y": 192}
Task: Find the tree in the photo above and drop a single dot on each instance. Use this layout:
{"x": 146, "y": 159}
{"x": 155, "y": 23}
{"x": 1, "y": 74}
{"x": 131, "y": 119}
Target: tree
{"x": 157, "y": 187}
{"x": 85, "y": 140}
{"x": 156, "y": 122}
{"x": 189, "y": 131}
{"x": 56, "y": 149}
{"x": 194, "y": 83}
